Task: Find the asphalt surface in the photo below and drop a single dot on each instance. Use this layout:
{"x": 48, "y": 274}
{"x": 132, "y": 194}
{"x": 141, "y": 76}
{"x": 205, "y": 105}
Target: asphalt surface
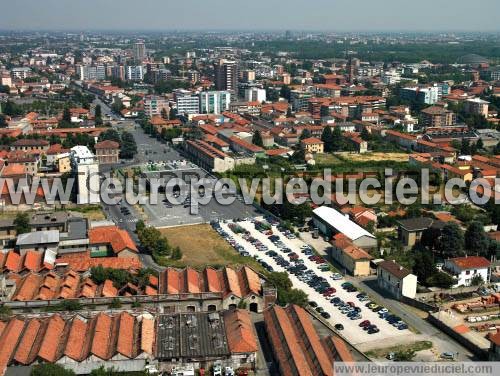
{"x": 158, "y": 215}
{"x": 352, "y": 332}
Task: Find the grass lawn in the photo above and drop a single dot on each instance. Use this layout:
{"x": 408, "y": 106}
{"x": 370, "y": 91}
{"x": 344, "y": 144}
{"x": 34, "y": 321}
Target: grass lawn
{"x": 326, "y": 159}
{"x": 415, "y": 346}
{"x": 202, "y": 246}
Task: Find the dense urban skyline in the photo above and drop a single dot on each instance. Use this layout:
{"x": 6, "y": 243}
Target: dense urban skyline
{"x": 343, "y": 15}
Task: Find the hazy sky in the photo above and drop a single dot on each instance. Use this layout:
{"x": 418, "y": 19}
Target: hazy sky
{"x": 341, "y": 15}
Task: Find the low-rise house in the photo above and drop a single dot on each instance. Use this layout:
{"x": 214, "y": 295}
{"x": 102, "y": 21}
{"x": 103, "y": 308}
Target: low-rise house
{"x": 312, "y": 145}
{"x": 107, "y": 151}
{"x": 410, "y": 230}
{"x": 397, "y": 280}
{"x": 331, "y": 222}
{"x": 465, "y": 269}
{"x": 355, "y": 260}
{"x": 30, "y": 144}
{"x": 107, "y": 241}
{"x": 39, "y": 241}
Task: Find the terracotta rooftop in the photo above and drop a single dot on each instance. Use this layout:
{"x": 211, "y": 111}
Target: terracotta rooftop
{"x": 470, "y": 262}
{"x": 116, "y": 237}
{"x": 239, "y": 282}
{"x": 240, "y": 334}
{"x": 49, "y": 339}
{"x": 107, "y": 144}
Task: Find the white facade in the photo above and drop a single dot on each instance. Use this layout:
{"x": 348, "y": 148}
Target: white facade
{"x": 21, "y": 72}
{"x": 397, "y": 283}
{"x": 91, "y": 72}
{"x": 214, "y": 102}
{"x": 134, "y": 73}
{"x": 187, "y": 103}
{"x": 465, "y": 274}
{"x": 255, "y": 95}
{"x": 86, "y": 167}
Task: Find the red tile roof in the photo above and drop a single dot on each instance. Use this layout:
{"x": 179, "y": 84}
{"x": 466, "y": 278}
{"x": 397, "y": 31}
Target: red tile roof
{"x": 49, "y": 348}
{"x": 25, "y": 353}
{"x": 8, "y": 342}
{"x": 116, "y": 237}
{"x": 471, "y": 262}
{"x": 76, "y": 339}
{"x": 240, "y": 334}
{"x": 102, "y": 336}
{"x": 126, "y": 341}
{"x": 107, "y": 144}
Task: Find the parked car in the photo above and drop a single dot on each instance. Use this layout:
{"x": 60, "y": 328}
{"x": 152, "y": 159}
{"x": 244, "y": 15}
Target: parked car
{"x": 339, "y": 326}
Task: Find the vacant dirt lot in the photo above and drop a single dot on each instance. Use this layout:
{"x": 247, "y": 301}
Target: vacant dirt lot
{"x": 202, "y": 246}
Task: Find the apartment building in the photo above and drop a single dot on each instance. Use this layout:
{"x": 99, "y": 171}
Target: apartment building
{"x": 154, "y": 105}
{"x": 214, "y": 102}
{"x": 438, "y": 116}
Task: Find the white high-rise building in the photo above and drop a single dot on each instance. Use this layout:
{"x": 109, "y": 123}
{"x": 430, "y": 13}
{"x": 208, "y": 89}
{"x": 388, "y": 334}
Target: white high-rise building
{"x": 135, "y": 73}
{"x": 86, "y": 167}
{"x": 187, "y": 102}
{"x": 91, "y": 72}
{"x": 214, "y": 102}
{"x": 255, "y": 95}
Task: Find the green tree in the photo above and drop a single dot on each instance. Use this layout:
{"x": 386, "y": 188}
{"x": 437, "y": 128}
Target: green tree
{"x": 285, "y": 92}
{"x": 115, "y": 303}
{"x": 3, "y": 121}
{"x": 337, "y": 140}
{"x": 327, "y": 138}
{"x": 423, "y": 266}
{"x": 50, "y": 369}
{"x": 479, "y": 144}
{"x": 128, "y": 147}
{"x": 441, "y": 279}
{"x": 110, "y": 134}
{"x": 465, "y": 147}
{"x": 22, "y": 223}
{"x": 257, "y": 139}
{"x": 306, "y": 133}
{"x": 139, "y": 226}
{"x": 176, "y": 254}
{"x": 476, "y": 239}
{"x": 451, "y": 243}
{"x": 477, "y": 280}
{"x": 404, "y": 355}
{"x": 66, "y": 115}
{"x": 365, "y": 135}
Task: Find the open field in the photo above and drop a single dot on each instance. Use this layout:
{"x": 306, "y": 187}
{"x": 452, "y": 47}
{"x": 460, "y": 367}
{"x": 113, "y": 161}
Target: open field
{"x": 202, "y": 246}
{"x": 376, "y": 156}
{"x": 415, "y": 346}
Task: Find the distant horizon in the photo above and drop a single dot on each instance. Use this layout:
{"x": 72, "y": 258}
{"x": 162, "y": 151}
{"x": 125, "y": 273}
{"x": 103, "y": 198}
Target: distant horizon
{"x": 196, "y": 15}
{"x": 275, "y": 31}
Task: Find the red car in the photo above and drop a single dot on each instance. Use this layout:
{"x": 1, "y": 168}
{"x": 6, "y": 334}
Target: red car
{"x": 293, "y": 256}
{"x": 364, "y": 323}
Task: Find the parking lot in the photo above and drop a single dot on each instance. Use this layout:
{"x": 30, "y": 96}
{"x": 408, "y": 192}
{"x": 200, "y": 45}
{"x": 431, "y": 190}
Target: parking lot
{"x": 313, "y": 277}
